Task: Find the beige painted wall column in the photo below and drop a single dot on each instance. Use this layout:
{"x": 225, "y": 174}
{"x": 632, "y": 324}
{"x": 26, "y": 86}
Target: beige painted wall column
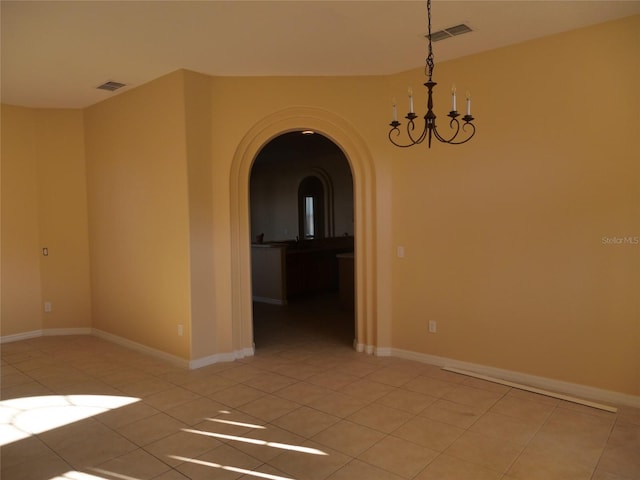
{"x": 137, "y": 185}
{"x": 21, "y": 307}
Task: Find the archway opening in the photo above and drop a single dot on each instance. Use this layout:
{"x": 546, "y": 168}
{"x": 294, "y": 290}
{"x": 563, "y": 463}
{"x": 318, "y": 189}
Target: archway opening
{"x": 303, "y": 239}
{"x": 372, "y": 268}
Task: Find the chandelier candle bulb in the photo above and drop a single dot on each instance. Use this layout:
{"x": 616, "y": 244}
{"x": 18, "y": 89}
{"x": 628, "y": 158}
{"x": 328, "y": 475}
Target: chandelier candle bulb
{"x": 453, "y": 99}
{"x": 468, "y": 103}
{"x": 410, "y": 100}
{"x": 395, "y": 111}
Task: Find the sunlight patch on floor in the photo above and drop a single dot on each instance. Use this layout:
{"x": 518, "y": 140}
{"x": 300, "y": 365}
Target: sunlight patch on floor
{"x": 110, "y": 475}
{"x": 255, "y": 441}
{"x": 22, "y": 417}
{"x": 75, "y": 475}
{"x": 237, "y": 424}
{"x": 243, "y": 471}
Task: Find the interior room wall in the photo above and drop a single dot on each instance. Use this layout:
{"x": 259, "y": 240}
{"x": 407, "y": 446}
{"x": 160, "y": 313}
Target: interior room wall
{"x": 506, "y": 237}
{"x": 137, "y": 184}
{"x": 44, "y": 205}
{"x": 20, "y": 304}
{"x": 63, "y": 218}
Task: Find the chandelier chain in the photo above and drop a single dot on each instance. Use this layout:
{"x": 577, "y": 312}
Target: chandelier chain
{"x": 429, "y": 62}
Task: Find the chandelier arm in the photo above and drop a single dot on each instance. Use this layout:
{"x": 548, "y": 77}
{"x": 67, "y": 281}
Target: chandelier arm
{"x": 410, "y": 127}
{"x": 425, "y": 131}
{"x": 453, "y": 124}
{"x": 452, "y": 140}
{"x": 396, "y": 130}
{"x": 420, "y": 139}
{"x": 464, "y": 128}
{"x": 438, "y": 136}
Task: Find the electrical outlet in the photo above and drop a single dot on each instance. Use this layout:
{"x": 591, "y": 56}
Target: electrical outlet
{"x": 180, "y": 330}
{"x": 433, "y": 326}
{"x": 48, "y": 307}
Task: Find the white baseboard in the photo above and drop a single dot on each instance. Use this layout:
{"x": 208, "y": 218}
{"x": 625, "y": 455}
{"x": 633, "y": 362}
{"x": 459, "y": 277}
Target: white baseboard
{"x": 368, "y": 349}
{"x": 371, "y": 350}
{"x": 179, "y": 361}
{"x": 16, "y": 337}
{"x": 245, "y": 352}
{"x": 574, "y": 389}
{"x": 48, "y": 332}
{"x": 53, "y": 332}
{"x": 384, "y": 352}
{"x": 221, "y": 357}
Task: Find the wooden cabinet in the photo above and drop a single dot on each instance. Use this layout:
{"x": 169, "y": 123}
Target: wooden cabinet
{"x": 283, "y": 271}
{"x": 346, "y": 279}
{"x": 268, "y": 283}
{"x": 311, "y": 271}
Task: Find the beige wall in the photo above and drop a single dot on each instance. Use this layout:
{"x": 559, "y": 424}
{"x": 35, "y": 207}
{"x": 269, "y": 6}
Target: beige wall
{"x": 21, "y": 292}
{"x": 44, "y": 205}
{"x": 503, "y": 236}
{"x": 139, "y": 215}
{"x": 62, "y": 212}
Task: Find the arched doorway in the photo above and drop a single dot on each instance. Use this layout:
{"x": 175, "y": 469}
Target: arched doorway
{"x": 301, "y": 194}
{"x": 370, "y": 306}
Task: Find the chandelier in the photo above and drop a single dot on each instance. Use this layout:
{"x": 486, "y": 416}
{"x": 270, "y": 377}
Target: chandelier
{"x": 460, "y": 132}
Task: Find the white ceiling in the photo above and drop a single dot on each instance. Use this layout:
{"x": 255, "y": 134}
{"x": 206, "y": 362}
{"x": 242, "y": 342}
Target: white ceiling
{"x": 55, "y": 53}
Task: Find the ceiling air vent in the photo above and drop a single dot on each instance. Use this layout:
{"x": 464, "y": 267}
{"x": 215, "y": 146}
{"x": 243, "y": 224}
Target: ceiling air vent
{"x": 111, "y": 86}
{"x": 450, "y": 32}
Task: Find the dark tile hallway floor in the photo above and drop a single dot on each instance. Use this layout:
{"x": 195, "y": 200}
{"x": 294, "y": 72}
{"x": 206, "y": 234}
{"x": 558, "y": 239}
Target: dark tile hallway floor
{"x": 320, "y": 319}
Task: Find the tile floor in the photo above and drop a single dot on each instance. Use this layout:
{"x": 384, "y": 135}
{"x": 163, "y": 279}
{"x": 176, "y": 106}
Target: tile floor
{"x": 305, "y": 407}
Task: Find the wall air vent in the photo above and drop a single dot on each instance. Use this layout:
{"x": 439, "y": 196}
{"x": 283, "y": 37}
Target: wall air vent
{"x": 111, "y": 86}
{"x": 450, "y": 32}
